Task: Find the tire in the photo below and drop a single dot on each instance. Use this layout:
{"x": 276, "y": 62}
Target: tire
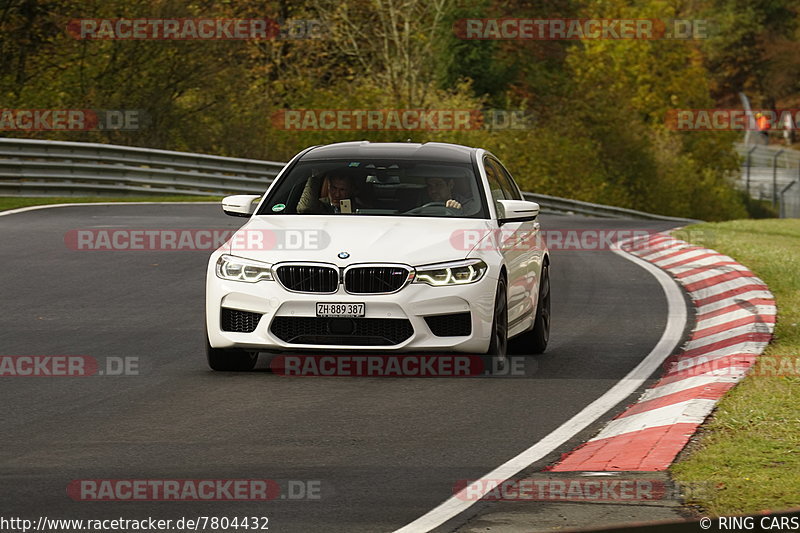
{"x": 230, "y": 359}
{"x": 495, "y": 357}
{"x": 535, "y": 340}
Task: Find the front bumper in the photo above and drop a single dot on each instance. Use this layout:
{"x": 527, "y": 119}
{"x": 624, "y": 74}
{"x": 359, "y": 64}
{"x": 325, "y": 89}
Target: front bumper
{"x": 413, "y": 303}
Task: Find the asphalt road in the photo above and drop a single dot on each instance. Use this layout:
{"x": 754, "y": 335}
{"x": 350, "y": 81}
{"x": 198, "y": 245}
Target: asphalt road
{"x": 383, "y": 451}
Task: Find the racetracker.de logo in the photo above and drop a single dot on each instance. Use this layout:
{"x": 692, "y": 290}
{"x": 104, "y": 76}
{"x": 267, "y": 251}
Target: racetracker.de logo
{"x": 735, "y": 366}
{"x": 208, "y": 240}
{"x": 402, "y": 119}
{"x": 639, "y": 240}
{"x": 569, "y": 490}
{"x": 732, "y": 119}
{"x": 506, "y": 239}
{"x": 407, "y": 365}
{"x": 71, "y": 119}
{"x": 568, "y": 29}
{"x": 595, "y": 489}
{"x": 403, "y": 366}
{"x": 193, "y": 490}
{"x": 196, "y": 29}
{"x": 70, "y": 366}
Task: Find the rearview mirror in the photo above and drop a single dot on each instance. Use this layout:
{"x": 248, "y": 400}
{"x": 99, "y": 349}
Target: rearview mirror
{"x": 240, "y": 205}
{"x": 516, "y": 210}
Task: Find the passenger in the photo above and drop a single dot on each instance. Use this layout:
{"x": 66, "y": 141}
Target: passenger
{"x": 340, "y": 187}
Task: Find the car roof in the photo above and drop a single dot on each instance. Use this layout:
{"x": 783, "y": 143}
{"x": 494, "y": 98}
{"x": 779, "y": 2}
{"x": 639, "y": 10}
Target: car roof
{"x": 431, "y": 151}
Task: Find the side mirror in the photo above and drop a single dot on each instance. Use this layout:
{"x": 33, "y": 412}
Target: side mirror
{"x": 516, "y": 210}
{"x": 240, "y": 205}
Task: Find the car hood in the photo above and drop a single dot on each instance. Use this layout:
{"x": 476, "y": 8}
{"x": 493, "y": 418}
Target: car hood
{"x": 413, "y": 241}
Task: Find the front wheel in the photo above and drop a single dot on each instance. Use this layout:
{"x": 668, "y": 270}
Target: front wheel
{"x": 495, "y": 358}
{"x": 230, "y": 359}
{"x": 540, "y": 334}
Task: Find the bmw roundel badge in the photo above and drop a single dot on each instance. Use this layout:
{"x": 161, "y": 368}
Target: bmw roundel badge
{"x": 343, "y": 255}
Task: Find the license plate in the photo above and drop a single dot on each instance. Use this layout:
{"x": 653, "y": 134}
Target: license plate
{"x": 341, "y": 309}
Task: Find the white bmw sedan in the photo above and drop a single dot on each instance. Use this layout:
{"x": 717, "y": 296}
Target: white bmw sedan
{"x": 387, "y": 247}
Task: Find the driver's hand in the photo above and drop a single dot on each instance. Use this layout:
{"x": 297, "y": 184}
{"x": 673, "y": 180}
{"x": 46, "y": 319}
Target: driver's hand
{"x": 452, "y": 203}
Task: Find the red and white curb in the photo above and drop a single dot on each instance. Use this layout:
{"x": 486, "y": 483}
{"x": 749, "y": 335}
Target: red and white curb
{"x": 735, "y": 318}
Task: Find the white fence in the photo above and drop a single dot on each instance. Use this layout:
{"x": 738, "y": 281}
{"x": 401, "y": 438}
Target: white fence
{"x": 772, "y": 173}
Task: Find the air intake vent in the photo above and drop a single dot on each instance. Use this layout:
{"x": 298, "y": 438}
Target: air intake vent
{"x": 342, "y": 331}
{"x": 239, "y": 321}
{"x": 455, "y": 325}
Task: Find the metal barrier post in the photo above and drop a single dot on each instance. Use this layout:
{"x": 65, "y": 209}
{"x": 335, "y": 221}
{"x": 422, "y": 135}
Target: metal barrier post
{"x": 782, "y": 211}
{"x": 749, "y": 164}
{"x": 775, "y": 177}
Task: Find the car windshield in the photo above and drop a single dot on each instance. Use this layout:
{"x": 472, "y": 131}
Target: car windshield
{"x": 377, "y": 187}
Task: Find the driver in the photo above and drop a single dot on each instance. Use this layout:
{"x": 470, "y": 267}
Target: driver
{"x": 441, "y": 190}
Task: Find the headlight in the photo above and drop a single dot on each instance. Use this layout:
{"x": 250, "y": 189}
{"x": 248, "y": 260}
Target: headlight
{"x": 454, "y": 273}
{"x": 238, "y": 269}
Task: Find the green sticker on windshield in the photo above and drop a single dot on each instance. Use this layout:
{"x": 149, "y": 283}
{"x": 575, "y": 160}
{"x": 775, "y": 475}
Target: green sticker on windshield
{"x": 354, "y": 164}
{"x": 279, "y": 207}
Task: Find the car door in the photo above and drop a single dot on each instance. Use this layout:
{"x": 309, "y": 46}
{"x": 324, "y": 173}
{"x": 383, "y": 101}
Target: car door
{"x": 531, "y": 251}
{"x": 511, "y": 244}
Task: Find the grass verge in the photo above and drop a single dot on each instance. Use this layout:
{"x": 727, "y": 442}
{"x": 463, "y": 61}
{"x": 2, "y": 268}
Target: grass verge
{"x": 749, "y": 451}
{"x": 14, "y": 202}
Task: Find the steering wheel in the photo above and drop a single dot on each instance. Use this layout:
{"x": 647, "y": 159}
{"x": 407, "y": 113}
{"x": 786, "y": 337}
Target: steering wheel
{"x": 422, "y": 208}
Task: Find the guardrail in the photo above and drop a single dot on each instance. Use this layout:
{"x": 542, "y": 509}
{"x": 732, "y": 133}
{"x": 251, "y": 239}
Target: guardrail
{"x": 55, "y": 168}
{"x": 558, "y": 205}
